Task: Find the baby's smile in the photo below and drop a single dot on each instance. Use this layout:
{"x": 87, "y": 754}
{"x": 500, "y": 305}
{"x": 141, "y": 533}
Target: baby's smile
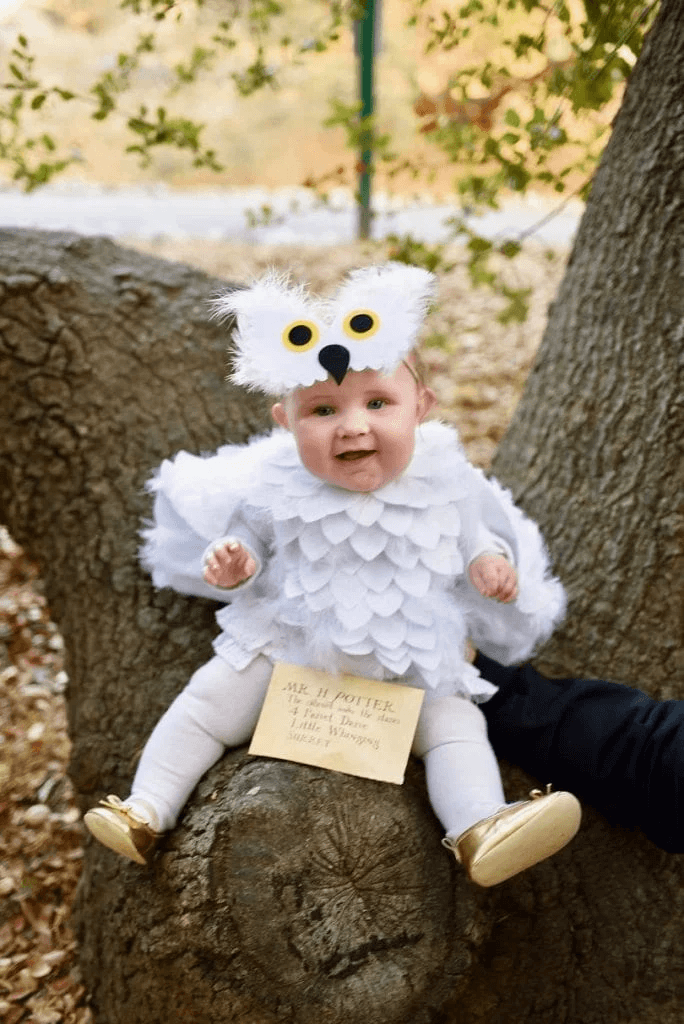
{"x": 360, "y": 434}
{"x": 354, "y": 454}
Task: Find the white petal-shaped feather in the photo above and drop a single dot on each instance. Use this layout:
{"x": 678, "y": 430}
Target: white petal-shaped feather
{"x": 320, "y": 600}
{"x": 363, "y": 647}
{"x": 353, "y": 618}
{"x": 412, "y": 492}
{"x": 415, "y": 582}
{"x": 301, "y": 485}
{"x": 387, "y": 602}
{"x": 292, "y": 588}
{"x": 314, "y": 575}
{"x": 366, "y": 510}
{"x": 424, "y": 532}
{"x": 288, "y": 530}
{"x": 325, "y": 502}
{"x": 337, "y": 527}
{"x": 402, "y": 552}
{"x": 426, "y": 659}
{"x": 389, "y": 632}
{"x": 368, "y": 541}
{"x": 344, "y": 635}
{"x": 286, "y": 508}
{"x": 396, "y": 520}
{"x": 417, "y": 611}
{"x": 398, "y": 662}
{"x": 447, "y": 520}
{"x": 446, "y": 559}
{"x": 348, "y": 589}
{"x": 423, "y": 639}
{"x": 312, "y": 542}
{"x": 378, "y": 574}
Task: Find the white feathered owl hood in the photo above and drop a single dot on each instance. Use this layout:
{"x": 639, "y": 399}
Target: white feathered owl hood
{"x": 285, "y": 338}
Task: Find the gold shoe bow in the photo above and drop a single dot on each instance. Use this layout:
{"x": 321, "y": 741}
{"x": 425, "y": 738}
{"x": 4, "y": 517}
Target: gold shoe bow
{"x": 120, "y": 829}
{"x": 515, "y": 838}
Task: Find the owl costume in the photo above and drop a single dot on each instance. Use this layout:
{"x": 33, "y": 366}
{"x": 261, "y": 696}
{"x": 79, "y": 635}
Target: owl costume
{"x": 370, "y": 583}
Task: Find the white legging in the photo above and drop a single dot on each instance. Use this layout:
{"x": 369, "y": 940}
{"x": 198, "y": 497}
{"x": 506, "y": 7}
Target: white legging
{"x": 219, "y": 708}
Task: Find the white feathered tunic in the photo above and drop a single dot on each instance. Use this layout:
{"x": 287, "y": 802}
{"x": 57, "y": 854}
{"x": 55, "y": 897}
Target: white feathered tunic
{"x": 369, "y": 583}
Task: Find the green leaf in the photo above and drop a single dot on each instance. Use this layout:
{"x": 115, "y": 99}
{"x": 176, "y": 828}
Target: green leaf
{"x": 512, "y": 117}
{"x": 510, "y": 249}
{"x": 479, "y": 245}
{"x": 517, "y": 307}
{"x": 491, "y": 147}
{"x": 106, "y": 102}
{"x": 517, "y": 177}
{"x": 407, "y": 249}
{"x": 38, "y": 101}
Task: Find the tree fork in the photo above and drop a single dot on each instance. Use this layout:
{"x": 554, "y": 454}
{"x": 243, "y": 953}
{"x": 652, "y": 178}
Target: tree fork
{"x": 107, "y": 365}
{"x": 285, "y": 893}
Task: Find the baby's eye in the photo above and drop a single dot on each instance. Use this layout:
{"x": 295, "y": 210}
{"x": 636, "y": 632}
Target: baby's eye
{"x": 323, "y": 410}
{"x": 377, "y": 403}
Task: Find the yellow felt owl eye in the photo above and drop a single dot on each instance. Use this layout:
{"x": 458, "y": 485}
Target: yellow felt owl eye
{"x": 300, "y": 336}
{"x": 361, "y": 324}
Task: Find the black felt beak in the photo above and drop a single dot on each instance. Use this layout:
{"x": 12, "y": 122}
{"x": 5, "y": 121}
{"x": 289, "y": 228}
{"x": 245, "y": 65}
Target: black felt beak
{"x": 334, "y": 359}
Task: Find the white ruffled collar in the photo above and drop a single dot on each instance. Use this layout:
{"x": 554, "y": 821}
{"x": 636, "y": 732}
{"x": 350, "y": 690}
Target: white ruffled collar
{"x": 428, "y": 481}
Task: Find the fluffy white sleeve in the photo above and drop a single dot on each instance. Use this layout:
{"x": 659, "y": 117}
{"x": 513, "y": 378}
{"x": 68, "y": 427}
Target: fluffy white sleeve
{"x": 510, "y": 633}
{"x": 196, "y": 502}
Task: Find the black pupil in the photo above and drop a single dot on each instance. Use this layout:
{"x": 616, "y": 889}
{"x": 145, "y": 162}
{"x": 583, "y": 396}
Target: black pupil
{"x": 300, "y": 335}
{"x": 361, "y": 323}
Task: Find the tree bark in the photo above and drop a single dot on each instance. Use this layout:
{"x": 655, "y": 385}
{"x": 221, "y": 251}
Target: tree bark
{"x": 286, "y": 893}
{"x": 292, "y": 894}
{"x": 594, "y": 451}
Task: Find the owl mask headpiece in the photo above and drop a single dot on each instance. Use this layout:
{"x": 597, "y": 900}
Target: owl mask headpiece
{"x": 286, "y": 339}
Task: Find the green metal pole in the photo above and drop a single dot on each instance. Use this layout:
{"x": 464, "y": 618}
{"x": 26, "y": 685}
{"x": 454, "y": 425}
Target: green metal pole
{"x": 366, "y": 54}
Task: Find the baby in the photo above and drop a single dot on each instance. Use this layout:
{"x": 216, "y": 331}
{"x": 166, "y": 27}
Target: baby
{"x": 357, "y": 538}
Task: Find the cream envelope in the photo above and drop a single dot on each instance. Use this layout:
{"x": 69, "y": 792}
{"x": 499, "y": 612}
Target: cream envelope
{"x": 344, "y": 723}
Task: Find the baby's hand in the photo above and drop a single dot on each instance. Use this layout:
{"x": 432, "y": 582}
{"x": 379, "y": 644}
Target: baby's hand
{"x": 228, "y": 565}
{"x": 494, "y": 576}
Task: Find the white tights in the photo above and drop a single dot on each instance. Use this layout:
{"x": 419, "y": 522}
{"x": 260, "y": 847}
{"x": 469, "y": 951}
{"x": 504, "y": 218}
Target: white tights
{"x": 219, "y": 708}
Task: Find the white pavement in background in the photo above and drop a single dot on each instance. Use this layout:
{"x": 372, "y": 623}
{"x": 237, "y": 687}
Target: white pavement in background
{"x": 295, "y": 216}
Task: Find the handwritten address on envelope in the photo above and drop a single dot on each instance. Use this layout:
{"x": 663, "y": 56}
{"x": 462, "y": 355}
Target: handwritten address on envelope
{"x": 345, "y": 723}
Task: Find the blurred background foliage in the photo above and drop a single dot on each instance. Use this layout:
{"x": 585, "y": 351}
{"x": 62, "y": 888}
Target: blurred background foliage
{"x": 477, "y": 101}
{"x": 472, "y": 98}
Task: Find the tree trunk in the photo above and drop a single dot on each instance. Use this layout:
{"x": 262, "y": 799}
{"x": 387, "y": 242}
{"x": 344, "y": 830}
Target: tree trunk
{"x": 285, "y": 893}
{"x": 595, "y": 449}
{"x": 293, "y": 894}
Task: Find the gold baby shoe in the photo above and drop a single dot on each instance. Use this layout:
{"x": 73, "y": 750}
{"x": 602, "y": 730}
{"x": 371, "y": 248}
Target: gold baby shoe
{"x": 122, "y": 830}
{"x": 515, "y": 838}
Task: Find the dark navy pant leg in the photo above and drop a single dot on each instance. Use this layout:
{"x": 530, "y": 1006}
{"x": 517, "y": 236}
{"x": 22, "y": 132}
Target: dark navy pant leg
{"x": 611, "y": 745}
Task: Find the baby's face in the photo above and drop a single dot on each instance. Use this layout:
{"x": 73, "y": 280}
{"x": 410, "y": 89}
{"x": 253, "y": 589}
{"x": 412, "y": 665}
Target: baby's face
{"x": 359, "y": 434}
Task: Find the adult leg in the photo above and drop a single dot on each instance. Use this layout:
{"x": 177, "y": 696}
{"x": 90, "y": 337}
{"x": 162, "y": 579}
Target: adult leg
{"x": 611, "y": 745}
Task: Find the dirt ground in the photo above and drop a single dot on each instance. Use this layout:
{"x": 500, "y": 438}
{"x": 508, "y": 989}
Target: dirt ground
{"x": 478, "y": 368}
